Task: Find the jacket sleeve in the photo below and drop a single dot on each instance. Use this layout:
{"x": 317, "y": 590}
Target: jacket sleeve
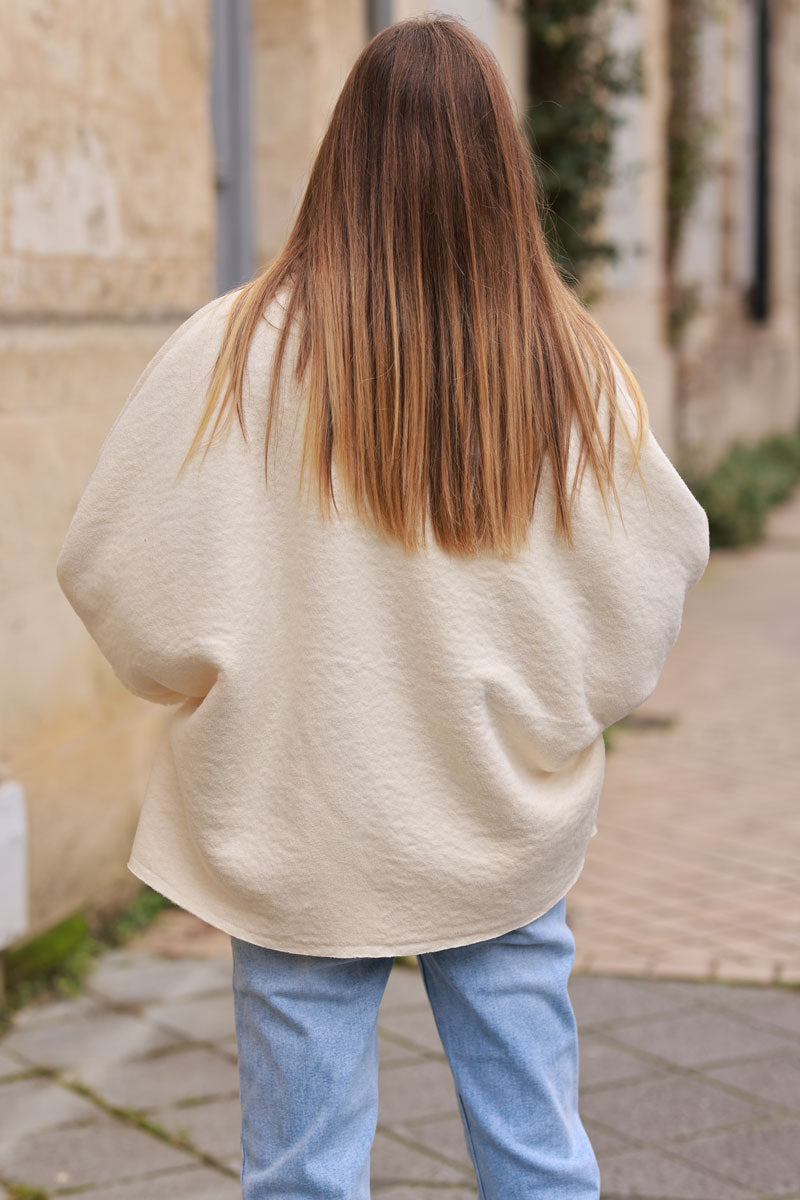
{"x": 142, "y": 562}
{"x": 633, "y": 574}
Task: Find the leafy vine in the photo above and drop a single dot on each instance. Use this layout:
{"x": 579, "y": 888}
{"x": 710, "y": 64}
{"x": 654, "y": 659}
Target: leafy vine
{"x": 689, "y": 133}
{"x": 574, "y": 73}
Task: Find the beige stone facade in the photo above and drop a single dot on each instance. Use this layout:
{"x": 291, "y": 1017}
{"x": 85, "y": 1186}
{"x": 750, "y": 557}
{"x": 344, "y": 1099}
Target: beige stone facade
{"x": 740, "y": 377}
{"x": 631, "y": 308}
{"x": 108, "y": 229}
{"x": 732, "y": 376}
{"x": 302, "y": 51}
{"x": 106, "y": 244}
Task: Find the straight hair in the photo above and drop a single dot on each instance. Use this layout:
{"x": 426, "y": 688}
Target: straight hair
{"x": 445, "y": 359}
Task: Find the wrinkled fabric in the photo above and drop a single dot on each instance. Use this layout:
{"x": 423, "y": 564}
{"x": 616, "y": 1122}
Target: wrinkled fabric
{"x": 369, "y": 751}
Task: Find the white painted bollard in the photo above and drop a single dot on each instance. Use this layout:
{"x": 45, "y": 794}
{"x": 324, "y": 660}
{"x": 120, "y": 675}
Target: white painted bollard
{"x": 13, "y": 862}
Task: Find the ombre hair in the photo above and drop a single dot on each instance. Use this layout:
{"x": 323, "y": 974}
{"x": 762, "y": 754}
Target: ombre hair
{"x": 446, "y": 361}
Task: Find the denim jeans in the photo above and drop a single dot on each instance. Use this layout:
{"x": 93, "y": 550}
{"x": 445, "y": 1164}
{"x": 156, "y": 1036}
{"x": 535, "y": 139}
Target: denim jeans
{"x": 306, "y": 1028}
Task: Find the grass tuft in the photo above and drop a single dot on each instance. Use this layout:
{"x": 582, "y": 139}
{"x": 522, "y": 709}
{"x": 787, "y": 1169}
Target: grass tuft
{"x": 57, "y": 962}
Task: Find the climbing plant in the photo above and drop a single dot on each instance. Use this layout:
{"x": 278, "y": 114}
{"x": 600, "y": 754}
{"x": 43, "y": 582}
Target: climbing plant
{"x": 689, "y": 134}
{"x": 574, "y": 75}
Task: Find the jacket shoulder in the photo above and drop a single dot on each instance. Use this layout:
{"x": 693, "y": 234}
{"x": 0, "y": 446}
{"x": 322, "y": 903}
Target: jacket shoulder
{"x": 192, "y": 346}
{"x": 199, "y": 335}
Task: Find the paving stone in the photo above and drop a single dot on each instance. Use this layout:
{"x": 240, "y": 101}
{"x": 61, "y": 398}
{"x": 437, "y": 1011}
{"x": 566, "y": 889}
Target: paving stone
{"x": 9, "y": 1065}
{"x": 647, "y": 1173}
{"x": 391, "y": 1052}
{"x": 99, "y": 1039}
{"x": 699, "y": 1039}
{"x": 103, "y": 1151}
{"x": 656, "y": 1110}
{"x": 144, "y": 979}
{"x": 765, "y": 1158}
{"x": 214, "y": 1127}
{"x": 417, "y": 1025}
{"x": 404, "y": 1192}
{"x": 409, "y": 1092}
{"x": 206, "y": 1019}
{"x": 176, "y": 933}
{"x": 165, "y": 1079}
{"x": 693, "y": 993}
{"x": 775, "y": 1080}
{"x": 600, "y": 1064}
{"x": 604, "y": 1142}
{"x": 42, "y": 1011}
{"x": 768, "y": 1006}
{"x": 192, "y": 1183}
{"x": 234, "y": 1162}
{"x": 629, "y": 962}
{"x": 228, "y": 1045}
{"x": 32, "y": 1105}
{"x": 598, "y": 999}
{"x": 395, "y": 1162}
{"x": 741, "y": 967}
{"x": 404, "y": 987}
{"x": 444, "y": 1136}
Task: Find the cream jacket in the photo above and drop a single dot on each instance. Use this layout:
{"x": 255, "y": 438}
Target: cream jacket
{"x": 368, "y": 752}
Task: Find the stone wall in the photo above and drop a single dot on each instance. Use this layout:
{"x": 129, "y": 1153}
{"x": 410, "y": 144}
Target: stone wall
{"x": 106, "y": 245}
{"x": 740, "y": 378}
{"x": 302, "y": 53}
{"x": 631, "y": 309}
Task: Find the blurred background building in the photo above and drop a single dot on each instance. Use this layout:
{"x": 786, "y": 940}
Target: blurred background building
{"x": 154, "y": 153}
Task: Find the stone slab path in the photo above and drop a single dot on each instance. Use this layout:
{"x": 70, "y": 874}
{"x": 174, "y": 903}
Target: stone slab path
{"x": 689, "y": 1091}
{"x": 694, "y": 871}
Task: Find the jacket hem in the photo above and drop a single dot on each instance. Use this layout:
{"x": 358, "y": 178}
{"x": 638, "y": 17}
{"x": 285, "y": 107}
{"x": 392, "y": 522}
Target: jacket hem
{"x": 398, "y": 950}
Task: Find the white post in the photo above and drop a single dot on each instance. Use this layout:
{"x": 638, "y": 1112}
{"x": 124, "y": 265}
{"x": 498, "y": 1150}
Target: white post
{"x": 13, "y": 862}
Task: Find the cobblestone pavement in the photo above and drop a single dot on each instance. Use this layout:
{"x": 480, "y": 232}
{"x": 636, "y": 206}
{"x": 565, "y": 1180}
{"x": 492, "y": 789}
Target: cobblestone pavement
{"x": 694, "y": 869}
{"x": 689, "y": 1091}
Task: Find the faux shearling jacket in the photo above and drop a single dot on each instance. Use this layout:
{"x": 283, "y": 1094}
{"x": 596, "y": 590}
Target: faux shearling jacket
{"x": 369, "y": 751}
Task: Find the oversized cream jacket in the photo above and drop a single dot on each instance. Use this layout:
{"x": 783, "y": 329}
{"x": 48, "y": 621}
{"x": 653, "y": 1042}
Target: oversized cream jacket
{"x": 369, "y": 751}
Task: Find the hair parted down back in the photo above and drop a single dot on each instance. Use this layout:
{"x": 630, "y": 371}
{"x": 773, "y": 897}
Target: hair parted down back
{"x": 444, "y": 358}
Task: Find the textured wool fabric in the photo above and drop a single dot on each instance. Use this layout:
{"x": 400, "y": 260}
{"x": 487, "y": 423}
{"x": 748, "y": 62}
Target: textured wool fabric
{"x": 371, "y": 751}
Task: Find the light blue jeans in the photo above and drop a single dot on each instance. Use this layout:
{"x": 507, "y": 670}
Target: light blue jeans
{"x": 306, "y": 1028}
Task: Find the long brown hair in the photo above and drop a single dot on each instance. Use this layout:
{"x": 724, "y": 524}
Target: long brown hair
{"x": 445, "y": 357}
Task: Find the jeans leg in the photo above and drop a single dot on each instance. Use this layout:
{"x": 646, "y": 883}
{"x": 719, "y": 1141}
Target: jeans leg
{"x": 306, "y": 1028}
{"x": 510, "y": 1035}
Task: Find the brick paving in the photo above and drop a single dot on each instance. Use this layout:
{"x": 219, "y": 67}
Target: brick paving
{"x": 689, "y": 1091}
{"x": 694, "y": 869}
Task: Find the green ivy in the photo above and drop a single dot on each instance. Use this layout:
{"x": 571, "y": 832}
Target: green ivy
{"x": 57, "y": 961}
{"x": 739, "y": 492}
{"x": 573, "y": 77}
{"x": 689, "y": 135}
